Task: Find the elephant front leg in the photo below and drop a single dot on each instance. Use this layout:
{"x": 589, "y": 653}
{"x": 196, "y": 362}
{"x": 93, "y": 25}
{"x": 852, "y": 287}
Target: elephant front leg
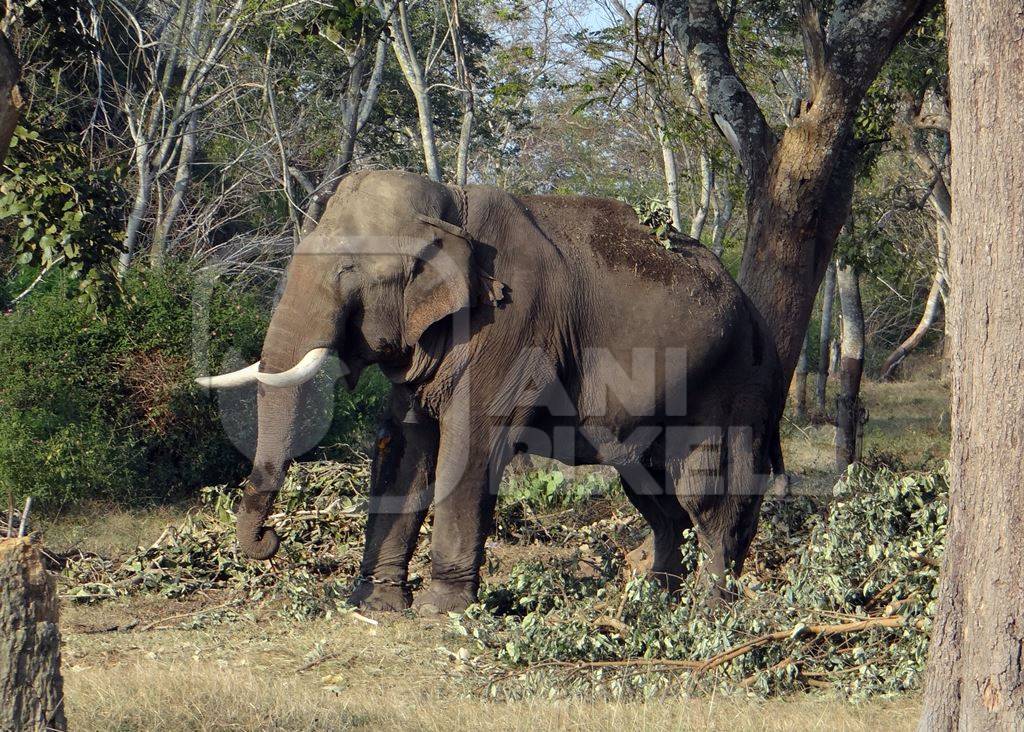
{"x": 465, "y": 497}
{"x": 400, "y": 494}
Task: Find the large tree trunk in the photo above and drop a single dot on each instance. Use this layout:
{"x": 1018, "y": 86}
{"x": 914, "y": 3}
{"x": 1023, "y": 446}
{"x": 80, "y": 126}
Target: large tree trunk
{"x": 31, "y": 688}
{"x": 849, "y": 413}
{"x": 976, "y": 667}
{"x": 799, "y": 185}
{"x": 828, "y": 297}
{"x": 11, "y": 100}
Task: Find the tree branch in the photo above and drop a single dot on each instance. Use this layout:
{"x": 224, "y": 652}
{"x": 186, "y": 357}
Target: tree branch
{"x": 815, "y": 47}
{"x": 699, "y": 30}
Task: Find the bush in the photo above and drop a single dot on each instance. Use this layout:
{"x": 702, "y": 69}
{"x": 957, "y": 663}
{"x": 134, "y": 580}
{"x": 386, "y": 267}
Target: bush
{"x": 103, "y": 406}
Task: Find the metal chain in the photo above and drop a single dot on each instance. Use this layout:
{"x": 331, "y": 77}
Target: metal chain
{"x": 369, "y": 578}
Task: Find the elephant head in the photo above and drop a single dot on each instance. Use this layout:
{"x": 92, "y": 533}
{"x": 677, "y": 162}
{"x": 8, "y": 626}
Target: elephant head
{"x": 388, "y": 262}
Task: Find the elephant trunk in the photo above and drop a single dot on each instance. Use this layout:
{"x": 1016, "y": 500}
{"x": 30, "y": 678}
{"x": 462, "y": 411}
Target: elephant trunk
{"x": 255, "y": 539}
{"x": 293, "y": 416}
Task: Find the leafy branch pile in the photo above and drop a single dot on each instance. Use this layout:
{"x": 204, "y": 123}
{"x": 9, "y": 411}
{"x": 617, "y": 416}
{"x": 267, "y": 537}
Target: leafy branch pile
{"x": 840, "y": 597}
{"x": 321, "y": 517}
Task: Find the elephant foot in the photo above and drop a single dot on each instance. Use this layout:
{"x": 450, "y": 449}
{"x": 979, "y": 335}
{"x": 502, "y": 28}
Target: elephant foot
{"x": 381, "y": 597}
{"x": 444, "y": 597}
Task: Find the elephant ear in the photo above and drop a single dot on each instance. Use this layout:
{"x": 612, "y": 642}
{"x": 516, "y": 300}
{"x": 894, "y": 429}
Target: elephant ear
{"x": 446, "y": 279}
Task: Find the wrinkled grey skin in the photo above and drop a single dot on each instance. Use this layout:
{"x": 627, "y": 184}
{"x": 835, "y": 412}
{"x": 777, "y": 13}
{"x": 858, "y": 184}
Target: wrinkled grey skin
{"x": 492, "y": 336}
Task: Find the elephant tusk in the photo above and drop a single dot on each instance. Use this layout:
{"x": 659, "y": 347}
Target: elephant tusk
{"x": 300, "y": 373}
{"x": 235, "y": 378}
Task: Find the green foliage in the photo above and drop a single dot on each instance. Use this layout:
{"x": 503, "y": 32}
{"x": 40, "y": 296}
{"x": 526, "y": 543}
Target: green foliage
{"x": 103, "y": 406}
{"x": 544, "y": 490}
{"x": 554, "y": 630}
{"x": 55, "y": 209}
{"x": 100, "y": 406}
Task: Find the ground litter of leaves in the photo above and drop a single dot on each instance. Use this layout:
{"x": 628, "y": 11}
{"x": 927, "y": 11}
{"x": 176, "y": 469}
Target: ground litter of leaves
{"x": 837, "y": 593}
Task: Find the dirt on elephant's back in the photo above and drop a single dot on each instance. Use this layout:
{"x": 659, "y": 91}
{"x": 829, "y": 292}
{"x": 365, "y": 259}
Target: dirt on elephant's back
{"x": 611, "y": 231}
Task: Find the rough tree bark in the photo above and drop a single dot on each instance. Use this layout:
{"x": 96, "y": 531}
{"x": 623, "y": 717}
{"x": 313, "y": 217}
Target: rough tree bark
{"x": 849, "y": 413}
{"x": 799, "y": 184}
{"x": 31, "y": 688}
{"x": 11, "y": 100}
{"x": 976, "y": 666}
{"x": 828, "y": 297}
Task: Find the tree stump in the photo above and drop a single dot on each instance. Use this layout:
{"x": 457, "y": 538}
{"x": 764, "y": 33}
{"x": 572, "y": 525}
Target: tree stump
{"x": 31, "y": 688}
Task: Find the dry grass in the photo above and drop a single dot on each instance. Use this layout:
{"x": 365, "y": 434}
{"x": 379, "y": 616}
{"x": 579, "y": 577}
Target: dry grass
{"x": 105, "y": 528}
{"x": 144, "y": 698}
{"x": 399, "y": 675}
{"x": 908, "y": 420}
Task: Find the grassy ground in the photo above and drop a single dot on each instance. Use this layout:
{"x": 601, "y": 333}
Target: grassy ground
{"x": 145, "y": 663}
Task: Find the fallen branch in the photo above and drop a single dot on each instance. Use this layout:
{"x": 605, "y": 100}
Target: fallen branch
{"x": 317, "y": 661}
{"x": 821, "y": 631}
{"x": 701, "y": 667}
{"x": 155, "y": 623}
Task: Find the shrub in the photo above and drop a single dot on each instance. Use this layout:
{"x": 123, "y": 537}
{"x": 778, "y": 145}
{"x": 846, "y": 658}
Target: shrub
{"x": 103, "y": 405}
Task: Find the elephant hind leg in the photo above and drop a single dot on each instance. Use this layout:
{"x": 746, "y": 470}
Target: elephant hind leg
{"x": 668, "y": 522}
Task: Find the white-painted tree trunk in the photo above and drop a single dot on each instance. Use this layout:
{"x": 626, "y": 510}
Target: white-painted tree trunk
{"x": 849, "y": 413}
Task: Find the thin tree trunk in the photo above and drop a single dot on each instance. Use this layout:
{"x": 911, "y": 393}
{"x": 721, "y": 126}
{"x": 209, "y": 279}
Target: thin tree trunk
{"x": 468, "y": 99}
{"x": 412, "y": 70}
{"x": 707, "y": 182}
{"x": 931, "y": 311}
{"x": 976, "y": 665}
{"x": 828, "y": 296}
{"x": 668, "y": 162}
{"x": 139, "y": 208}
{"x": 849, "y": 413}
{"x": 31, "y": 687}
{"x": 182, "y": 180}
{"x": 723, "y": 215}
{"x": 357, "y": 112}
{"x": 800, "y": 381}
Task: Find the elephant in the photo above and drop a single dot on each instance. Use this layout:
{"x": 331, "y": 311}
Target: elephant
{"x": 542, "y": 324}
